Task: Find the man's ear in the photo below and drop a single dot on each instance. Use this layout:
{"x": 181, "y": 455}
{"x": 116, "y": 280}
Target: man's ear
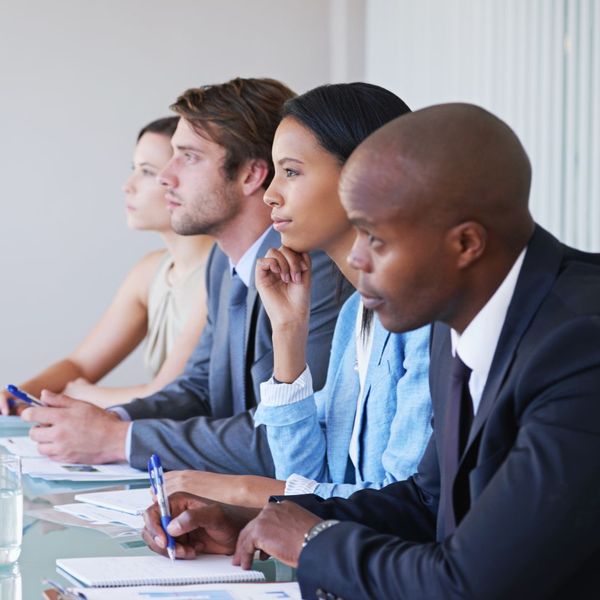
{"x": 253, "y": 175}
{"x": 469, "y": 240}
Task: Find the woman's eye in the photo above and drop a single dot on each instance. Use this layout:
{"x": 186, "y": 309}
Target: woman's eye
{"x": 372, "y": 240}
{"x": 148, "y": 173}
{"x": 290, "y": 172}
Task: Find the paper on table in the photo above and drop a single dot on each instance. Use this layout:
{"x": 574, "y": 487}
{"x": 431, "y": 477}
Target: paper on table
{"x": 230, "y": 591}
{"x": 22, "y": 446}
{"x": 37, "y": 465}
{"x": 133, "y": 502}
{"x": 48, "y": 469}
{"x": 95, "y": 514}
{"x": 113, "y": 530}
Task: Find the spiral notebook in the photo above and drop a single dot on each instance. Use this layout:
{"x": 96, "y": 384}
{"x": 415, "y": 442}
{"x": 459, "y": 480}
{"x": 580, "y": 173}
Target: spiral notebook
{"x": 120, "y": 571}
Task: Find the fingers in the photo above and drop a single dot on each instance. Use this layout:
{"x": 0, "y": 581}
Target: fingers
{"x": 207, "y": 517}
{"x": 153, "y": 533}
{"x": 289, "y": 265}
{"x": 56, "y": 400}
{"x": 246, "y": 545}
{"x": 6, "y": 403}
{"x": 41, "y": 414}
{"x": 42, "y": 435}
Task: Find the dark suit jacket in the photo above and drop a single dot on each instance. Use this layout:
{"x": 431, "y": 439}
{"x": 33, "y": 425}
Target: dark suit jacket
{"x": 198, "y": 421}
{"x": 528, "y": 487}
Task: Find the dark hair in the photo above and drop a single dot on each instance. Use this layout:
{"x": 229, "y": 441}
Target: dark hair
{"x": 165, "y": 126}
{"x": 240, "y": 115}
{"x": 342, "y": 115}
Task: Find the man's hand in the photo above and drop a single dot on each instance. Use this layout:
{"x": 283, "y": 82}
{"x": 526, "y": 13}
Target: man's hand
{"x": 277, "y": 531}
{"x": 75, "y": 431}
{"x": 198, "y": 525}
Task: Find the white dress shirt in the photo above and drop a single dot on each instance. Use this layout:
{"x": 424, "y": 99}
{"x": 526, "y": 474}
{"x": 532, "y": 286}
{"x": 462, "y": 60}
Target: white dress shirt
{"x": 245, "y": 266}
{"x": 477, "y": 344}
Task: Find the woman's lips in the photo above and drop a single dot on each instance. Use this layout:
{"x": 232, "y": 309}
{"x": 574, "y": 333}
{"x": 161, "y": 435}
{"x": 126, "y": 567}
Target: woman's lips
{"x": 369, "y": 301}
{"x": 280, "y": 224}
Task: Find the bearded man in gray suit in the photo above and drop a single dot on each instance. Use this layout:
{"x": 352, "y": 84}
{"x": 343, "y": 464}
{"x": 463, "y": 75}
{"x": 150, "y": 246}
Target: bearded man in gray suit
{"x": 215, "y": 182}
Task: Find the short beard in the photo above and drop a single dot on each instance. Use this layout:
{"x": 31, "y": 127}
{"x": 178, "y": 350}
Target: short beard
{"x": 211, "y": 216}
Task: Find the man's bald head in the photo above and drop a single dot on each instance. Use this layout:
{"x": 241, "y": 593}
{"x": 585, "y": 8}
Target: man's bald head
{"x": 439, "y": 198}
{"x": 449, "y": 163}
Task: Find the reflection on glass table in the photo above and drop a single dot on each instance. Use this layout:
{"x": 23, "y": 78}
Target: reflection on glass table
{"x": 45, "y": 540}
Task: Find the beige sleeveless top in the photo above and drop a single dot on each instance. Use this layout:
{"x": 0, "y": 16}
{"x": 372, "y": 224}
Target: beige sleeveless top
{"x": 169, "y": 306}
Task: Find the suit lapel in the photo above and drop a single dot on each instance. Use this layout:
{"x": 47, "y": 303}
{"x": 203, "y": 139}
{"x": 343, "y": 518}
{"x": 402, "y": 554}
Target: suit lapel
{"x": 538, "y": 273}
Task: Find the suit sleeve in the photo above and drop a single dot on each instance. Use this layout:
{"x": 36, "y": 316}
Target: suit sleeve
{"x": 535, "y": 522}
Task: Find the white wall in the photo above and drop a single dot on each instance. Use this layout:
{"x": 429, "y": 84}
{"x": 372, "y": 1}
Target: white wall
{"x": 78, "y": 79}
{"x": 534, "y": 63}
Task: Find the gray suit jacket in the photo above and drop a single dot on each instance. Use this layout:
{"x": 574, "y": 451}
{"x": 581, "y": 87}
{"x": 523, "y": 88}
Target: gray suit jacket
{"x": 198, "y": 421}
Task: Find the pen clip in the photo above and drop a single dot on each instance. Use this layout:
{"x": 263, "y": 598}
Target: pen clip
{"x": 151, "y": 476}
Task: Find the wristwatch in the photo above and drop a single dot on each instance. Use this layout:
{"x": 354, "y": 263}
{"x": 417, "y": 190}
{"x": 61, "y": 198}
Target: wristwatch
{"x": 314, "y": 531}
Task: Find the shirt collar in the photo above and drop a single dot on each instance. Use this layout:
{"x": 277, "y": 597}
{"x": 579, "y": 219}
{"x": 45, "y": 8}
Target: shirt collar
{"x": 477, "y": 344}
{"x": 245, "y": 266}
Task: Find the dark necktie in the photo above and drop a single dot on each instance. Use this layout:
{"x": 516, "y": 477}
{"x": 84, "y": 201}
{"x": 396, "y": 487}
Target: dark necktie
{"x": 238, "y": 293}
{"x": 459, "y": 417}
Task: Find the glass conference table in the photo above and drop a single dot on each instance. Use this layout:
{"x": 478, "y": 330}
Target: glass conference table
{"x": 45, "y": 541}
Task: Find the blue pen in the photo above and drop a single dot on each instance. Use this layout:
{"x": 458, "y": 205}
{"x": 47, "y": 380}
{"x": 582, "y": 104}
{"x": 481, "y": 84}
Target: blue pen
{"x": 155, "y": 471}
{"x": 24, "y": 396}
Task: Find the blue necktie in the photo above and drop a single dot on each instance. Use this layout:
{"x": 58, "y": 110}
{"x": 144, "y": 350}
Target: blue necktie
{"x": 459, "y": 417}
{"x": 238, "y": 293}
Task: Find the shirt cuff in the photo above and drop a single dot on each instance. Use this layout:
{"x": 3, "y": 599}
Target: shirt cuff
{"x": 120, "y": 412}
{"x": 124, "y": 416}
{"x": 296, "y": 484}
{"x": 282, "y": 394}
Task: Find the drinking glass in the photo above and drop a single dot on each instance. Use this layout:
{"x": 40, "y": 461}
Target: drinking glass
{"x": 11, "y": 587}
{"x": 11, "y": 508}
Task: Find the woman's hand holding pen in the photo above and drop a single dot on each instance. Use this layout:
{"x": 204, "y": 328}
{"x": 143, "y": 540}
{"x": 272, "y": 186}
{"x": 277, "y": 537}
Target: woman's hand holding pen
{"x": 283, "y": 279}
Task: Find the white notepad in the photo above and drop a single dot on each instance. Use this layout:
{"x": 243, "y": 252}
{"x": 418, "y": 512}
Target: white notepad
{"x": 119, "y": 571}
{"x": 228, "y": 591}
{"x": 133, "y": 502}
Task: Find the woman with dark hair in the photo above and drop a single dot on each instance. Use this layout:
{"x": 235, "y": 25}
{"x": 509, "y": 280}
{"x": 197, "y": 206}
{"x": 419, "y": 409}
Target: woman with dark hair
{"x": 370, "y": 424}
{"x": 161, "y": 299}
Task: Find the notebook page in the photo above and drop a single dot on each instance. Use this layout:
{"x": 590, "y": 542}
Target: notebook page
{"x": 231, "y": 591}
{"x": 115, "y": 571}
